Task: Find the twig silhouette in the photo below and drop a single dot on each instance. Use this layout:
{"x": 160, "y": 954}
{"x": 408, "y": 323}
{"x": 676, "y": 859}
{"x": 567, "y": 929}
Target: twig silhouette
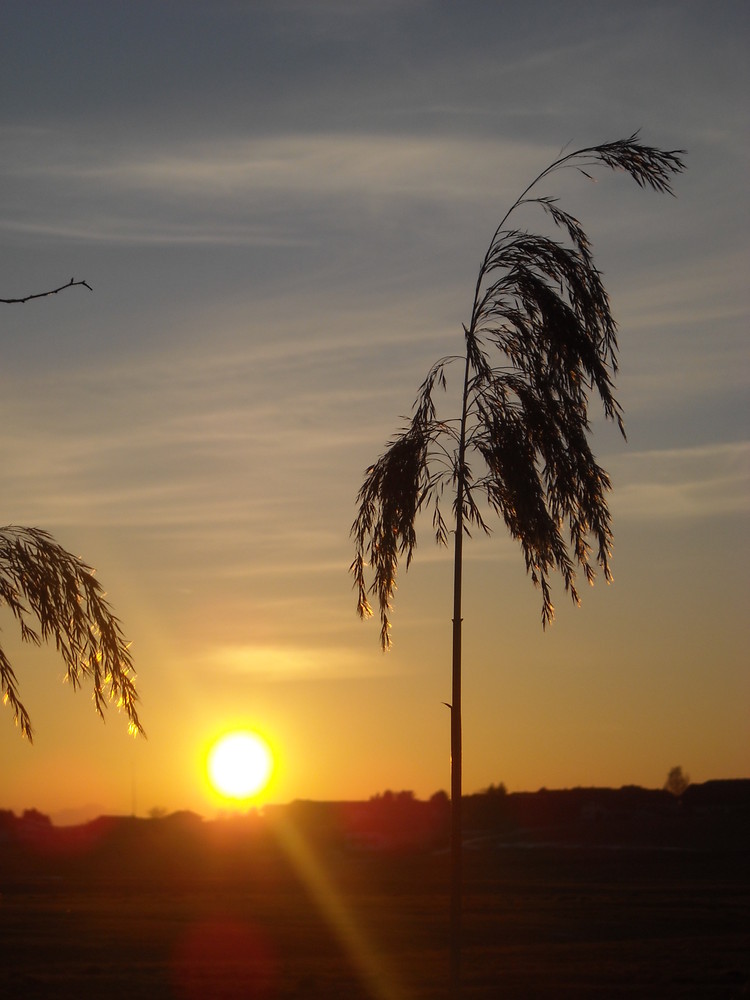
{"x": 53, "y": 291}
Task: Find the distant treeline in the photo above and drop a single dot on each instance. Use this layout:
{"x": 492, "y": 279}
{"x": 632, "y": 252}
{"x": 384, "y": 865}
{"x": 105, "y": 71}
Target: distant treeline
{"x": 715, "y": 814}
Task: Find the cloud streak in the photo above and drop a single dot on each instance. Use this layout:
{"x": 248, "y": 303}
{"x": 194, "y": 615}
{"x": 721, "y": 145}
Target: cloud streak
{"x": 270, "y": 188}
{"x": 679, "y": 484}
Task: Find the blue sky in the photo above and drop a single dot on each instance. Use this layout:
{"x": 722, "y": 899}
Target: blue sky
{"x": 281, "y": 209}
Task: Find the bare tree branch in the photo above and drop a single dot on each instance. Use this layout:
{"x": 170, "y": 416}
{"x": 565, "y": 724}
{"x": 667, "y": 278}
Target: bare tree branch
{"x": 53, "y": 291}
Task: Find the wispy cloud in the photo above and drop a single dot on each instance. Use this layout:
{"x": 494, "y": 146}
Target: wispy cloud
{"x": 257, "y": 191}
{"x": 289, "y": 663}
{"x": 684, "y": 483}
{"x": 128, "y": 231}
{"x": 322, "y": 164}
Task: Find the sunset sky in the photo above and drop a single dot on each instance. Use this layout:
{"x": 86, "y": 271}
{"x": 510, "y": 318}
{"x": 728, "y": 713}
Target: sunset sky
{"x": 281, "y": 208}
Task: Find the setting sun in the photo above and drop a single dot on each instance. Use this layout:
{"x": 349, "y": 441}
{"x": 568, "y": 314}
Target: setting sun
{"x": 240, "y": 765}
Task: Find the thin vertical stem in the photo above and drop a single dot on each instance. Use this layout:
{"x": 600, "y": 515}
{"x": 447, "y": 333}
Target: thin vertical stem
{"x": 456, "y": 768}
{"x": 456, "y": 732}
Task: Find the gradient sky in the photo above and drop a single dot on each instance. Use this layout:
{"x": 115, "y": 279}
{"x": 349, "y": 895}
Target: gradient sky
{"x": 281, "y": 208}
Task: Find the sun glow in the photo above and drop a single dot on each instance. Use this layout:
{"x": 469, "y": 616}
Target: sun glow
{"x": 240, "y": 765}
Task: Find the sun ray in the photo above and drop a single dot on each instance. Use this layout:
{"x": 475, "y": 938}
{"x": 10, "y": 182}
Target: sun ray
{"x": 371, "y": 966}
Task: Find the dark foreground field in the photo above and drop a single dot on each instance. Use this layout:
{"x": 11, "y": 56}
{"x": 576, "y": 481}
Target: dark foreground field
{"x": 541, "y": 923}
{"x": 275, "y": 916}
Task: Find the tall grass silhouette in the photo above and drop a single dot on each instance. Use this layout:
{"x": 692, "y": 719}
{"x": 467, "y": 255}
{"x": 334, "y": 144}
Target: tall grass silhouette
{"x": 540, "y": 339}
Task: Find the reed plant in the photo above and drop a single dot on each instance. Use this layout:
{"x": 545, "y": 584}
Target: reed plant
{"x": 540, "y": 340}
{"x": 43, "y": 583}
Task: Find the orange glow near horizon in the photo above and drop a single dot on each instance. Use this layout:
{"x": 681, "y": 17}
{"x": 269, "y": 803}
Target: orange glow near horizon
{"x": 240, "y": 766}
